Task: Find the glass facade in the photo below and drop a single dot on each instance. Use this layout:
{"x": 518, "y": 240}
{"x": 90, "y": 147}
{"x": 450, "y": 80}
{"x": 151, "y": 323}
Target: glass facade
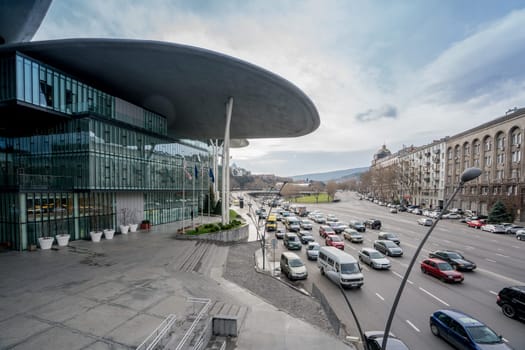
{"x": 66, "y": 177}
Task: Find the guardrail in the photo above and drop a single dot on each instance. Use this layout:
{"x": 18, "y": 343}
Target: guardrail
{"x": 157, "y": 337}
{"x": 207, "y": 303}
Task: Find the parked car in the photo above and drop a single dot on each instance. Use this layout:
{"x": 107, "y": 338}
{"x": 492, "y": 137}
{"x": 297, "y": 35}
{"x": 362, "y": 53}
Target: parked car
{"x": 374, "y": 258}
{"x": 374, "y": 224}
{"x": 476, "y": 223}
{"x": 325, "y": 230}
{"x": 514, "y": 228}
{"x": 520, "y": 235}
{"x": 465, "y": 332}
{"x": 425, "y": 221}
{"x": 389, "y": 236}
{"x": 494, "y": 228}
{"x": 441, "y": 269}
{"x": 291, "y": 241}
{"x": 357, "y": 225}
{"x": 292, "y": 266}
{"x": 280, "y": 232}
{"x": 374, "y": 340}
{"x": 451, "y": 216}
{"x": 455, "y": 259}
{"x": 512, "y": 301}
{"x": 352, "y": 235}
{"x": 312, "y": 250}
{"x": 393, "y": 210}
{"x": 388, "y": 248}
{"x": 335, "y": 241}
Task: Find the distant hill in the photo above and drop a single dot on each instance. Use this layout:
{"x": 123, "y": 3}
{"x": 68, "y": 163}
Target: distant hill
{"x": 338, "y": 175}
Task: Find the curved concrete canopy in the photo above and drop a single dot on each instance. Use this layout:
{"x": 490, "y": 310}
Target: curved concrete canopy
{"x": 20, "y": 19}
{"x": 188, "y": 85}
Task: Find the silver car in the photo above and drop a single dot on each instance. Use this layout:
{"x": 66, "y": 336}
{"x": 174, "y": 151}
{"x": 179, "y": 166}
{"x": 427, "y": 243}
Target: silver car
{"x": 374, "y": 258}
{"x": 352, "y": 235}
{"x": 312, "y": 250}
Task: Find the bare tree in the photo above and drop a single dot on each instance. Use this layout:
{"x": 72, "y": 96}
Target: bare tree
{"x": 331, "y": 189}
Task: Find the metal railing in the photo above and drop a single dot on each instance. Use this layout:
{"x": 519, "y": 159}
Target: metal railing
{"x": 157, "y": 337}
{"x": 189, "y": 332}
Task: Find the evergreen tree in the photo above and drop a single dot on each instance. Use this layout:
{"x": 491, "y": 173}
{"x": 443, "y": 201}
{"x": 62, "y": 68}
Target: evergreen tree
{"x": 499, "y": 213}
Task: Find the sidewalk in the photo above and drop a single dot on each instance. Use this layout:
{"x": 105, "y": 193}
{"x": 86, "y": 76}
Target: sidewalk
{"x": 113, "y": 294}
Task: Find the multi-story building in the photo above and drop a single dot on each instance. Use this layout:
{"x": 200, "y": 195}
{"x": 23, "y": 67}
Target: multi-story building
{"x": 496, "y": 148}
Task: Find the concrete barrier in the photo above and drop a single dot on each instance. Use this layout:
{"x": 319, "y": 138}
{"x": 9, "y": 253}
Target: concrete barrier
{"x": 330, "y": 313}
{"x": 239, "y": 234}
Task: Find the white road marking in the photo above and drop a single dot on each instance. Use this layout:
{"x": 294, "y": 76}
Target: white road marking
{"x": 505, "y": 256}
{"x": 380, "y": 297}
{"x": 497, "y": 275}
{"x": 505, "y": 340}
{"x": 493, "y": 292}
{"x": 433, "y": 296}
{"x": 490, "y": 260}
{"x": 401, "y": 276}
{"x": 412, "y": 325}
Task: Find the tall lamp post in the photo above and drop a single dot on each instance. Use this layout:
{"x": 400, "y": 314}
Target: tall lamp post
{"x": 468, "y": 175}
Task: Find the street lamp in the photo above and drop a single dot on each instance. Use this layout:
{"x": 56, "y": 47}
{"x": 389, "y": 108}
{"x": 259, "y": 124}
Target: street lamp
{"x": 468, "y": 175}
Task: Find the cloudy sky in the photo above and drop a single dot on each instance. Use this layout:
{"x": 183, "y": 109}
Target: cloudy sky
{"x": 394, "y": 72}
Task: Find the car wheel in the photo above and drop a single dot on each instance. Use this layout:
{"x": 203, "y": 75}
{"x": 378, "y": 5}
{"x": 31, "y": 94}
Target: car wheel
{"x": 434, "y": 330}
{"x": 508, "y": 310}
{"x": 322, "y": 271}
{"x": 423, "y": 270}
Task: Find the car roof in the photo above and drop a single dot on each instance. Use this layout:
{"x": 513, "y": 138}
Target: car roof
{"x": 369, "y": 250}
{"x": 436, "y": 260}
{"x": 461, "y": 317}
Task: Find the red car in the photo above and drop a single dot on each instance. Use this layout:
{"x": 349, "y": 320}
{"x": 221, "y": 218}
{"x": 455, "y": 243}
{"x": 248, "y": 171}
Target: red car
{"x": 335, "y": 241}
{"x": 325, "y": 230}
{"x": 441, "y": 269}
{"x": 476, "y": 223}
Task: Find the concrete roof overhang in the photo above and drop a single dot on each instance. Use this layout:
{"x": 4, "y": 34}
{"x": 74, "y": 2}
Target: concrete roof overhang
{"x": 188, "y": 85}
{"x": 20, "y": 19}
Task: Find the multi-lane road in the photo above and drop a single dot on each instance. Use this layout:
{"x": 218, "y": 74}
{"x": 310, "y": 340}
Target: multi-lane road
{"x": 500, "y": 260}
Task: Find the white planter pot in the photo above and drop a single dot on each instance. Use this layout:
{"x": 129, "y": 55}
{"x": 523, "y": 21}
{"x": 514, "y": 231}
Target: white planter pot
{"x": 124, "y": 229}
{"x": 133, "y": 227}
{"x": 108, "y": 234}
{"x": 62, "y": 239}
{"x": 45, "y": 242}
{"x": 96, "y": 236}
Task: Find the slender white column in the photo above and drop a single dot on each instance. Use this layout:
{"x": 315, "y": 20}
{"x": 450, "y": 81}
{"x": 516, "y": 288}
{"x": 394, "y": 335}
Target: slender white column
{"x": 226, "y": 165}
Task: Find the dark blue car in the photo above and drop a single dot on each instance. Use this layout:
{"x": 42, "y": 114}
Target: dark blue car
{"x": 465, "y": 332}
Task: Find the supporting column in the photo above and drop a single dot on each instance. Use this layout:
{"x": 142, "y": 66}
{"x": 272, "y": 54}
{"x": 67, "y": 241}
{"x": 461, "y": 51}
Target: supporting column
{"x": 226, "y": 165}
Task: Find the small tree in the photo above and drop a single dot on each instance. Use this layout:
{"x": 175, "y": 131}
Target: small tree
{"x": 499, "y": 213}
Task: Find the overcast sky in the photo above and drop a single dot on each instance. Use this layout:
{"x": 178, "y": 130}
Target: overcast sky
{"x": 393, "y": 72}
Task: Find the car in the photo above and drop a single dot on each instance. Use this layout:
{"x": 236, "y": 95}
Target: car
{"x": 417, "y": 211}
{"x": 374, "y": 224}
{"x": 339, "y": 227}
{"x": 292, "y": 266}
{"x": 374, "y": 340}
{"x": 357, "y": 225}
{"x": 292, "y": 241}
{"x": 305, "y": 224}
{"x": 305, "y": 237}
{"x": 425, "y": 221}
{"x": 331, "y": 217}
{"x": 388, "y": 248}
{"x": 335, "y": 241}
{"x": 325, "y": 230}
{"x": 389, "y": 236}
{"x": 319, "y": 218}
{"x": 465, "y": 332}
{"x": 476, "y": 223}
{"x": 520, "y": 235}
{"x": 441, "y": 269}
{"x": 312, "y": 250}
{"x": 494, "y": 228}
{"x": 352, "y": 235}
{"x": 512, "y": 301}
{"x": 280, "y": 232}
{"x": 454, "y": 258}
{"x": 451, "y": 216}
{"x": 393, "y": 210}
{"x": 374, "y": 258}
{"x": 514, "y": 228}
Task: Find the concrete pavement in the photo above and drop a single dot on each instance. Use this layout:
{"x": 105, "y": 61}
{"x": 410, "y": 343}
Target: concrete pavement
{"x": 113, "y": 294}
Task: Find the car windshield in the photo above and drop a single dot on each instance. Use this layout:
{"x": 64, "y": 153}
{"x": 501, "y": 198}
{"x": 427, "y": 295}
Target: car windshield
{"x": 296, "y": 263}
{"x": 483, "y": 335}
{"x": 376, "y": 255}
{"x": 349, "y": 268}
{"x": 444, "y": 266}
{"x": 390, "y": 244}
{"x": 390, "y": 235}
{"x": 292, "y": 238}
{"x": 336, "y": 239}
{"x": 314, "y": 247}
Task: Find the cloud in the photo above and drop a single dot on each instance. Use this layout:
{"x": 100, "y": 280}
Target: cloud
{"x": 385, "y": 111}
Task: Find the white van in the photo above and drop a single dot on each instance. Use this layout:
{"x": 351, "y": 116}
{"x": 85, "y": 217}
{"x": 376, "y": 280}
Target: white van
{"x": 340, "y": 267}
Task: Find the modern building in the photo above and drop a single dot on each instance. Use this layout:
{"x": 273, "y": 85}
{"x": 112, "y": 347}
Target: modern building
{"x": 100, "y": 132}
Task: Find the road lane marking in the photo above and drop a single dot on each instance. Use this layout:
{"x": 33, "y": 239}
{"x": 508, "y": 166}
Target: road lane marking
{"x": 497, "y": 275}
{"x": 401, "y": 276}
{"x": 490, "y": 260}
{"x": 503, "y": 255}
{"x": 412, "y": 325}
{"x": 380, "y": 297}
{"x": 433, "y": 296}
{"x": 492, "y": 292}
